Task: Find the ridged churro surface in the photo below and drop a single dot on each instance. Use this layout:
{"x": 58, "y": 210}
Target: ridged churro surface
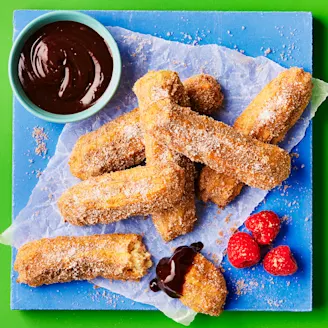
{"x": 221, "y": 147}
{"x": 63, "y": 259}
{"x": 153, "y": 86}
{"x": 205, "y": 289}
{"x": 269, "y": 116}
{"x": 115, "y": 196}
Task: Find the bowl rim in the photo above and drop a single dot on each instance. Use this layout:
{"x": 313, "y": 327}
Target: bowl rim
{"x": 55, "y": 16}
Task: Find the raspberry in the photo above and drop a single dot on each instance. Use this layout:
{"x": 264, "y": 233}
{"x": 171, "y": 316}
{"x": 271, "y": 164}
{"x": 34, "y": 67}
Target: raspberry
{"x": 280, "y": 262}
{"x": 243, "y": 251}
{"x": 264, "y": 226}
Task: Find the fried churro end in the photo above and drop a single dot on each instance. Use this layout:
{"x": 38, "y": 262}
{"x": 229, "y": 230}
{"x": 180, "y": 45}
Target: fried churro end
{"x": 163, "y": 84}
{"x": 205, "y": 93}
{"x": 64, "y": 259}
{"x": 205, "y": 289}
{"x": 176, "y": 221}
{"x": 140, "y": 258}
{"x": 217, "y": 187}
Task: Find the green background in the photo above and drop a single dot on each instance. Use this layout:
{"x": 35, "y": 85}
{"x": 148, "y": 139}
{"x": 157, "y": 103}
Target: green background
{"x": 99, "y": 319}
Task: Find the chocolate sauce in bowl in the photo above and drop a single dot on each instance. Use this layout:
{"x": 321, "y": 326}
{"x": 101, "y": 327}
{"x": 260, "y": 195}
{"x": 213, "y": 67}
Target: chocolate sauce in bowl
{"x": 171, "y": 271}
{"x": 65, "y": 67}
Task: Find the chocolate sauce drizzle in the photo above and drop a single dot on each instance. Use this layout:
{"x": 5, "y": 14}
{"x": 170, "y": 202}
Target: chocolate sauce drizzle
{"x": 171, "y": 271}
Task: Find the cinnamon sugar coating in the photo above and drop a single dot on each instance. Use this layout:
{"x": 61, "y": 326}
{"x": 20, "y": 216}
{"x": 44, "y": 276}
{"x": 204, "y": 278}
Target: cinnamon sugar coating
{"x": 153, "y": 86}
{"x": 118, "y": 195}
{"x": 181, "y": 218}
{"x": 115, "y": 146}
{"x": 157, "y": 85}
{"x": 63, "y": 259}
{"x": 205, "y": 289}
{"x": 277, "y": 107}
{"x": 268, "y": 118}
{"x": 221, "y": 147}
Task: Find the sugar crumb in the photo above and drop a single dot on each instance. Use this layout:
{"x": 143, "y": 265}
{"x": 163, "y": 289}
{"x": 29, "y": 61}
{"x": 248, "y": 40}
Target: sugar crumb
{"x": 267, "y": 51}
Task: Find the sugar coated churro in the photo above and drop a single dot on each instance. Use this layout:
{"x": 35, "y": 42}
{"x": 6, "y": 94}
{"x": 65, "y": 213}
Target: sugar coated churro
{"x": 118, "y": 195}
{"x": 269, "y": 116}
{"x": 221, "y": 147}
{"x": 63, "y": 259}
{"x": 153, "y": 86}
{"x": 115, "y": 146}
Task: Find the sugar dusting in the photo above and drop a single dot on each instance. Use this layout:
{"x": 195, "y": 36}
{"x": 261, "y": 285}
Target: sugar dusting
{"x": 40, "y": 137}
{"x": 119, "y": 195}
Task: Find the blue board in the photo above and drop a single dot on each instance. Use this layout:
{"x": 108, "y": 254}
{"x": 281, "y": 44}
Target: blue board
{"x": 284, "y": 37}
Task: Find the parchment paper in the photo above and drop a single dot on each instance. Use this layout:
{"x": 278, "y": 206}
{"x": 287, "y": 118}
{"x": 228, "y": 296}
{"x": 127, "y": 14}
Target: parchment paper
{"x": 241, "y": 78}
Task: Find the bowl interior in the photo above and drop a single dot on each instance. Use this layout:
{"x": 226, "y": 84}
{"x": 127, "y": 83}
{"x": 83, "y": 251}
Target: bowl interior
{"x": 51, "y": 18}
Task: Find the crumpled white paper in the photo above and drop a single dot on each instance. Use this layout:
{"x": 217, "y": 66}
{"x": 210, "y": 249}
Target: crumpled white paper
{"x": 241, "y": 78}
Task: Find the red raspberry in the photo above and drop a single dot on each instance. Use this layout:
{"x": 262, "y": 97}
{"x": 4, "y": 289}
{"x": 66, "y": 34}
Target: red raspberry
{"x": 264, "y": 226}
{"x": 243, "y": 251}
{"x": 280, "y": 262}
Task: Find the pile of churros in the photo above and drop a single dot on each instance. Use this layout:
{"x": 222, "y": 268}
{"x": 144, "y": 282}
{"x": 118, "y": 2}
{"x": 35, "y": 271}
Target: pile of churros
{"x": 171, "y": 130}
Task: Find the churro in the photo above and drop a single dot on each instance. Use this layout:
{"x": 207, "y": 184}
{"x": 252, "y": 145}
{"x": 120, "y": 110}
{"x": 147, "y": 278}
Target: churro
{"x": 153, "y": 86}
{"x": 119, "y": 195}
{"x": 63, "y": 259}
{"x": 115, "y": 146}
{"x": 269, "y": 116}
{"x": 204, "y": 289}
{"x": 221, "y": 147}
